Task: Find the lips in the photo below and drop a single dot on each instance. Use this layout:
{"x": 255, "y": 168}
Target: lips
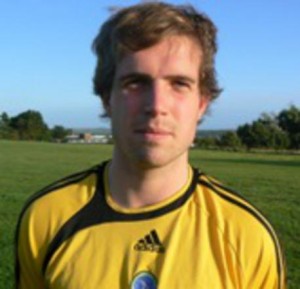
{"x": 150, "y": 130}
{"x": 153, "y": 134}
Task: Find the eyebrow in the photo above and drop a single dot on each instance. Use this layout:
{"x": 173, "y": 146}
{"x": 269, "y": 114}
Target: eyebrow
{"x": 142, "y": 76}
{"x": 147, "y": 77}
{"x": 182, "y": 78}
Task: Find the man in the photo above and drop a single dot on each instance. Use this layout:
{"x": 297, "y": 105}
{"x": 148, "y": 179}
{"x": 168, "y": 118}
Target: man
{"x": 146, "y": 219}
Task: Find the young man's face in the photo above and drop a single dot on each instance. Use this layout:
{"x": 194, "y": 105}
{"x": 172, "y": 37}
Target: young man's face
{"x": 155, "y": 103}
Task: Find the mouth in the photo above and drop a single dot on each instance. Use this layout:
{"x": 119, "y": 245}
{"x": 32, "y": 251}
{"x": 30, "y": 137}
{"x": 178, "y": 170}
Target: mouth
{"x": 153, "y": 134}
{"x": 152, "y": 131}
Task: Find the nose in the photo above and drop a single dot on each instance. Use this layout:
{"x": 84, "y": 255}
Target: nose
{"x": 157, "y": 99}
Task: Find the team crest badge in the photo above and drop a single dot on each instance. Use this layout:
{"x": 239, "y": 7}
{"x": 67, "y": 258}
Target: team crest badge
{"x": 144, "y": 280}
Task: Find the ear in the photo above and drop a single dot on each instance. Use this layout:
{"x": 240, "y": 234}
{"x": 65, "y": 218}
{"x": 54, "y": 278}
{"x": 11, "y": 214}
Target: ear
{"x": 107, "y": 110}
{"x": 107, "y": 106}
{"x": 203, "y": 105}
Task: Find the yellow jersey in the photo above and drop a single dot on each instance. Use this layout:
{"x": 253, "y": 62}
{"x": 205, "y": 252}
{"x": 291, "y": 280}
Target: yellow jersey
{"x": 72, "y": 235}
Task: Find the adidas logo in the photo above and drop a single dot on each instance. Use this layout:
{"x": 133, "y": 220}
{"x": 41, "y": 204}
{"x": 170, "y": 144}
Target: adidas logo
{"x": 150, "y": 243}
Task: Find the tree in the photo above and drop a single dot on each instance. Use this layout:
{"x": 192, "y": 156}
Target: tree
{"x": 30, "y": 126}
{"x": 59, "y": 133}
{"x": 244, "y": 132}
{"x": 206, "y": 142}
{"x": 289, "y": 121}
{"x": 231, "y": 140}
{"x": 4, "y": 118}
{"x": 264, "y": 133}
{"x": 6, "y": 132}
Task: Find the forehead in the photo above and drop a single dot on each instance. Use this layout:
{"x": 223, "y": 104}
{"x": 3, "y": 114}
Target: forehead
{"x": 175, "y": 54}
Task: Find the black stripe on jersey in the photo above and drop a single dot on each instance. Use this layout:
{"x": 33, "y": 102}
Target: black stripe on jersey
{"x": 97, "y": 212}
{"x": 71, "y": 179}
{"x": 254, "y": 212}
{"x": 155, "y": 237}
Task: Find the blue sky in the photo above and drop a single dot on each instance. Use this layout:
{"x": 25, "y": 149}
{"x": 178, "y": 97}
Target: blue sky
{"x": 46, "y": 63}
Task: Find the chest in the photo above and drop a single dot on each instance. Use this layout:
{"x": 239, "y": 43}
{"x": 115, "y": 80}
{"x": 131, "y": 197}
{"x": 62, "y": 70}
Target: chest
{"x": 178, "y": 250}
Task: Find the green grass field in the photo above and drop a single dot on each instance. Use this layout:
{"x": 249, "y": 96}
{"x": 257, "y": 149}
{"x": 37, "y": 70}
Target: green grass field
{"x": 270, "y": 181}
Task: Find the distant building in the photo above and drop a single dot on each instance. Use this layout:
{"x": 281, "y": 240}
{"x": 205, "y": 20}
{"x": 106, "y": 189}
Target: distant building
{"x": 72, "y": 138}
{"x": 88, "y": 138}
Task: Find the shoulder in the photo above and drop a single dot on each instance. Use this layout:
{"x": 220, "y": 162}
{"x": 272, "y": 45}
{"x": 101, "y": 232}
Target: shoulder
{"x": 227, "y": 205}
{"x": 42, "y": 217}
{"x": 47, "y": 210}
{"x": 232, "y": 212}
{"x": 241, "y": 225}
{"x": 71, "y": 191}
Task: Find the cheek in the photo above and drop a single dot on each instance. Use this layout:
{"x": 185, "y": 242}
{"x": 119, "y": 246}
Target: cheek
{"x": 122, "y": 106}
{"x": 131, "y": 105}
{"x": 187, "y": 112}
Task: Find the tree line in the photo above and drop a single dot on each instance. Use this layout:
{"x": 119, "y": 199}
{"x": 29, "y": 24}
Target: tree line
{"x": 30, "y": 125}
{"x": 270, "y": 131}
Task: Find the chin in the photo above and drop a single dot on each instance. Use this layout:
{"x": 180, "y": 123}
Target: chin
{"x": 155, "y": 159}
{"x": 147, "y": 160}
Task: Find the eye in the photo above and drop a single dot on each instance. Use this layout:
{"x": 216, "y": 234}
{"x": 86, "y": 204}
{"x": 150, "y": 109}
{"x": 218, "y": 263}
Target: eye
{"x": 180, "y": 85}
{"x": 134, "y": 84}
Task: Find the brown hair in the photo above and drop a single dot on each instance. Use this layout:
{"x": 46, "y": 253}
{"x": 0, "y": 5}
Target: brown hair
{"x": 144, "y": 25}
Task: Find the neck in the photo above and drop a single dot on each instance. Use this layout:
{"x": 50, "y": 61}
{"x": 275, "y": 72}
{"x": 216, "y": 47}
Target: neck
{"x": 134, "y": 186}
